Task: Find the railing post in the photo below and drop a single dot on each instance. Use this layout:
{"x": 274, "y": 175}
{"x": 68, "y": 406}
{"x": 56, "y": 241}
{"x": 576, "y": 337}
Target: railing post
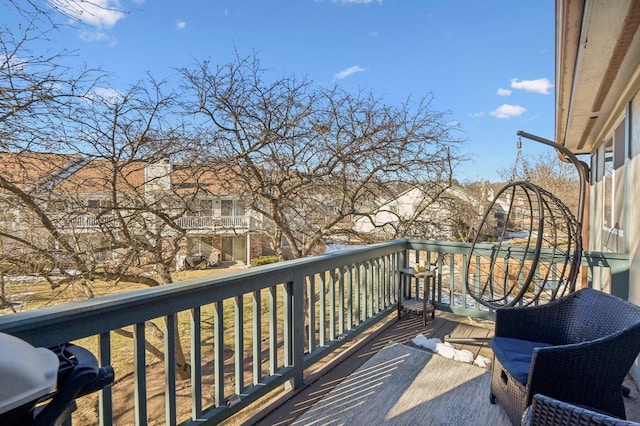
{"x": 295, "y": 331}
{"x": 620, "y": 279}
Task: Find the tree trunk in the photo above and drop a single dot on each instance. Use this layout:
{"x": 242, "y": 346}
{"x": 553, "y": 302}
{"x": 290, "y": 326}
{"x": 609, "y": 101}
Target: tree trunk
{"x": 183, "y": 368}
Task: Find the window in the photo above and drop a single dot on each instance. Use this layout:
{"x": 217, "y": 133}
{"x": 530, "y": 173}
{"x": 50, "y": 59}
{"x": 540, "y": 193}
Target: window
{"x": 93, "y": 206}
{"x": 226, "y": 207}
{"x": 607, "y": 179}
{"x": 608, "y": 183}
{"x": 204, "y": 207}
{"x": 232, "y": 208}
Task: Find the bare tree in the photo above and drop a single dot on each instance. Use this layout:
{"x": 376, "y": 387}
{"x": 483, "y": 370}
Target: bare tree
{"x": 548, "y": 171}
{"x": 311, "y": 159}
{"x": 86, "y": 191}
{"x": 35, "y": 89}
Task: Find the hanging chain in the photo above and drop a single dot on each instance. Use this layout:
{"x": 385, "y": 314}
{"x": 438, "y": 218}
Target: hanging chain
{"x": 520, "y": 159}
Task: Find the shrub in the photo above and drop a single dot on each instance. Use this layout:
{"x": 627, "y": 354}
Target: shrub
{"x": 263, "y": 260}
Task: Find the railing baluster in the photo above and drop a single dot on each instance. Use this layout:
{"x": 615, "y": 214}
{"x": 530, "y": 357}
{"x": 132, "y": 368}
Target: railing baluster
{"x": 349, "y": 283}
{"x": 438, "y": 277}
{"x": 170, "y": 370}
{"x": 465, "y": 272}
{"x": 395, "y": 259}
{"x": 377, "y": 294}
{"x": 332, "y": 304}
{"x": 238, "y": 306}
{"x": 139, "y": 371}
{"x": 273, "y": 330}
{"x": 311, "y": 308}
{"x": 288, "y": 326}
{"x": 382, "y": 274}
{"x": 105, "y": 401}
{"x": 389, "y": 280}
{"x": 366, "y": 285}
{"x": 218, "y": 357}
{"x": 322, "y": 315}
{"x": 341, "y": 305}
{"x": 357, "y": 284}
{"x": 257, "y": 337}
{"x": 196, "y": 363}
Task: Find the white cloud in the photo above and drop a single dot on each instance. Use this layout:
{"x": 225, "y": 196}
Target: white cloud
{"x": 180, "y": 25}
{"x": 347, "y": 72}
{"x": 97, "y": 13}
{"x": 14, "y": 62}
{"x": 541, "y": 85}
{"x": 504, "y": 92}
{"x": 508, "y": 111}
{"x": 90, "y": 36}
{"x": 476, "y": 114}
{"x": 110, "y": 96}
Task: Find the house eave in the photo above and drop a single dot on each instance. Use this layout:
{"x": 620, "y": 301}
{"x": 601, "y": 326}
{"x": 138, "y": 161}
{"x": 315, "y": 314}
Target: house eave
{"x": 597, "y": 56}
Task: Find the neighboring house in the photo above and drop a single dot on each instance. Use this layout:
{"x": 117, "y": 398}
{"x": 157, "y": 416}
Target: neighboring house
{"x": 414, "y": 213}
{"x": 598, "y": 116}
{"x": 496, "y": 225}
{"x": 76, "y": 195}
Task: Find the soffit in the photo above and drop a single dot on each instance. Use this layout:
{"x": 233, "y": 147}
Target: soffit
{"x": 597, "y": 54}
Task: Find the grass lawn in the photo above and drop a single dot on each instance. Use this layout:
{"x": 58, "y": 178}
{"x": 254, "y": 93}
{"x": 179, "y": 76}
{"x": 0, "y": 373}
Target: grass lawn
{"x": 37, "y": 294}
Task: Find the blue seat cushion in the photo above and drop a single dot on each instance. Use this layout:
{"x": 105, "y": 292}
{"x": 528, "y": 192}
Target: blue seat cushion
{"x": 515, "y": 355}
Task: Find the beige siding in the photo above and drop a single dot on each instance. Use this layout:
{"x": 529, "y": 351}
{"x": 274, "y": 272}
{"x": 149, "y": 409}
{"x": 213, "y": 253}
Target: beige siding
{"x": 634, "y": 202}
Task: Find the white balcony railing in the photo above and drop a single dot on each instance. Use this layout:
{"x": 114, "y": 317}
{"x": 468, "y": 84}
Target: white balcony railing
{"x": 86, "y": 221}
{"x": 215, "y": 222}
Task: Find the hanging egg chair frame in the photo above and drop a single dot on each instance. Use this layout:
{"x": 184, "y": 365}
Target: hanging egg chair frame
{"x": 543, "y": 263}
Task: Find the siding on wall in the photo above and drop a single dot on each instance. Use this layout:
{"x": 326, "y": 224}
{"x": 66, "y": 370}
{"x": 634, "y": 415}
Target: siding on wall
{"x": 634, "y": 201}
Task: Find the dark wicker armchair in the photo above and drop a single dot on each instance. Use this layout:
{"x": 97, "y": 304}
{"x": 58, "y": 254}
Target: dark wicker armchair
{"x": 577, "y": 349}
{"x": 547, "y": 411}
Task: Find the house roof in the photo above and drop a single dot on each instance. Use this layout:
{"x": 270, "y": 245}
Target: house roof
{"x": 64, "y": 173}
{"x": 597, "y": 68}
{"x": 29, "y": 169}
{"x": 418, "y": 192}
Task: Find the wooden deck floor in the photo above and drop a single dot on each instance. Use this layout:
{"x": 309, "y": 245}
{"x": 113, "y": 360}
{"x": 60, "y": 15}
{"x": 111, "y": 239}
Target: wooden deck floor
{"x": 285, "y": 410}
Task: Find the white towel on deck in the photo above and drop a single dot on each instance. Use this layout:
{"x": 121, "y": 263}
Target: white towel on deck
{"x": 447, "y": 350}
{"x": 421, "y": 340}
{"x": 482, "y": 361}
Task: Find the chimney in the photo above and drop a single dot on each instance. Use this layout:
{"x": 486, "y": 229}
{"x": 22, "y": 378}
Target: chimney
{"x": 157, "y": 175}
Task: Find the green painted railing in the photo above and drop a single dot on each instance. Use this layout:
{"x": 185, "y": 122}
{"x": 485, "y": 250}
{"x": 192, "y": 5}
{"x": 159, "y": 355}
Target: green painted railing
{"x": 250, "y": 332}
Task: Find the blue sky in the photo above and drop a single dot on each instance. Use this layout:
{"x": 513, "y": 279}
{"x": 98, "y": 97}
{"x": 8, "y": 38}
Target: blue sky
{"x": 489, "y": 63}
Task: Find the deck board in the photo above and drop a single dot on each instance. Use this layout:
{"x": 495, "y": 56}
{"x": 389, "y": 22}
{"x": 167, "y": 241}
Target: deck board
{"x": 290, "y": 407}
